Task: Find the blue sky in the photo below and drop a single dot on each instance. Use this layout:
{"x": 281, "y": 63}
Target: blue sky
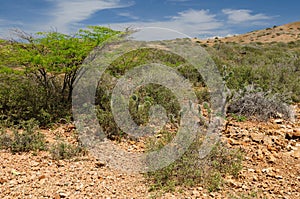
{"x": 196, "y": 18}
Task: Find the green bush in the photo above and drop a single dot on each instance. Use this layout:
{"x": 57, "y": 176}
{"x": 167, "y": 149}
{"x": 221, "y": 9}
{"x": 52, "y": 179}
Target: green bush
{"x": 62, "y": 150}
{"x": 22, "y": 99}
{"x": 146, "y": 96}
{"x": 38, "y": 73}
{"x": 273, "y": 67}
{"x": 24, "y": 140}
{"x": 190, "y": 170}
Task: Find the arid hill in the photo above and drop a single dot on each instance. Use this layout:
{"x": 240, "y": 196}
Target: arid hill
{"x": 284, "y": 33}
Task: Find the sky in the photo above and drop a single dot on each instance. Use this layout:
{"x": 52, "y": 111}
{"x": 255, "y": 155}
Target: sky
{"x": 194, "y": 18}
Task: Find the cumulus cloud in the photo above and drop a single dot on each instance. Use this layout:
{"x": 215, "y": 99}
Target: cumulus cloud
{"x": 68, "y": 15}
{"x": 242, "y": 15}
{"x": 189, "y": 22}
{"x": 68, "y": 12}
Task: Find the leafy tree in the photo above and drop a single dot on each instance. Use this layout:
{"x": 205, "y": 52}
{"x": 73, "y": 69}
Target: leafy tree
{"x": 52, "y": 56}
{"x": 38, "y": 72}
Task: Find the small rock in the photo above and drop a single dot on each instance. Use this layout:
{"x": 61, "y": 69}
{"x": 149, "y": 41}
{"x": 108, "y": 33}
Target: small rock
{"x": 257, "y": 137}
{"x": 266, "y": 170}
{"x": 196, "y": 193}
{"x": 255, "y": 178}
{"x": 278, "y": 121}
{"x": 293, "y": 134}
{"x": 62, "y": 195}
{"x": 2, "y": 181}
{"x": 251, "y": 170}
{"x": 279, "y": 177}
{"x": 271, "y": 159}
{"x": 245, "y": 187}
{"x": 41, "y": 177}
{"x": 289, "y": 147}
{"x": 233, "y": 141}
{"x": 296, "y": 154}
{"x": 100, "y": 164}
{"x": 15, "y": 172}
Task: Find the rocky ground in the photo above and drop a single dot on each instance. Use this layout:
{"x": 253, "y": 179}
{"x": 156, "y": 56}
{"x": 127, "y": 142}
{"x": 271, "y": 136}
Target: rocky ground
{"x": 271, "y": 168}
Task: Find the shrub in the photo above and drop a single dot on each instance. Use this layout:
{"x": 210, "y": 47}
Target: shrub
{"x": 190, "y": 170}
{"x": 62, "y": 150}
{"x": 272, "y": 67}
{"x": 22, "y": 99}
{"x": 262, "y": 105}
{"x": 23, "y": 140}
{"x": 38, "y": 72}
{"x": 146, "y": 96}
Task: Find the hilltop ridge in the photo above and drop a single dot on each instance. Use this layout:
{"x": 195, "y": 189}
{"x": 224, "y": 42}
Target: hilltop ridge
{"x": 284, "y": 33}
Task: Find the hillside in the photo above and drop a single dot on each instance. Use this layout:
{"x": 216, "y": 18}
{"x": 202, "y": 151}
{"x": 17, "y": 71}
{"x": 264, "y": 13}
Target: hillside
{"x": 284, "y": 33}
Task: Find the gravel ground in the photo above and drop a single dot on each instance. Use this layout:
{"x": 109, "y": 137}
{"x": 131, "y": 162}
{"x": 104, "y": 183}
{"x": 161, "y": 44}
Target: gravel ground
{"x": 271, "y": 169}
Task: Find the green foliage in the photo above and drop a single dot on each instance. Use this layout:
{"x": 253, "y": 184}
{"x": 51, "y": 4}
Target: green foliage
{"x": 146, "y": 96}
{"x": 9, "y": 71}
{"x": 239, "y": 118}
{"x": 38, "y": 73}
{"x": 190, "y": 170}
{"x": 273, "y": 67}
{"x": 22, "y": 99}
{"x": 62, "y": 150}
{"x": 23, "y": 140}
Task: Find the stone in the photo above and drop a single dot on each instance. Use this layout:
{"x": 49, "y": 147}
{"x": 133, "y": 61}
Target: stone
{"x": 2, "y": 181}
{"x": 62, "y": 195}
{"x": 279, "y": 177}
{"x": 293, "y": 134}
{"x": 271, "y": 159}
{"x": 257, "y": 137}
{"x": 233, "y": 141}
{"x": 100, "y": 164}
{"x": 278, "y": 121}
{"x": 296, "y": 154}
{"x": 266, "y": 170}
{"x": 41, "y": 177}
{"x": 251, "y": 170}
{"x": 196, "y": 193}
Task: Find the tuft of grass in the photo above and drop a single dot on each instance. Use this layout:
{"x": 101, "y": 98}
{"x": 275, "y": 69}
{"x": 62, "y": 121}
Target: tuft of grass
{"x": 238, "y": 118}
{"x": 190, "y": 170}
{"x": 24, "y": 140}
{"x": 27, "y": 141}
{"x": 62, "y": 150}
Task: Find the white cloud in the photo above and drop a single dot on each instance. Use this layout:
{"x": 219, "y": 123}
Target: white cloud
{"x": 69, "y": 12}
{"x": 189, "y": 22}
{"x": 68, "y": 15}
{"x": 242, "y": 15}
{"x": 128, "y": 15}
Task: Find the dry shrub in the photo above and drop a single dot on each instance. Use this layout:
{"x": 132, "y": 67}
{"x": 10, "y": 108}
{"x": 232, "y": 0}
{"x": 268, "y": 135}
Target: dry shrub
{"x": 260, "y": 104}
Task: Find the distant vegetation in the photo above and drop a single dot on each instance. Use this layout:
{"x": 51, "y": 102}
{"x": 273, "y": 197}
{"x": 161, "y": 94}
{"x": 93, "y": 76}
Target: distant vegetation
{"x": 271, "y": 66}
